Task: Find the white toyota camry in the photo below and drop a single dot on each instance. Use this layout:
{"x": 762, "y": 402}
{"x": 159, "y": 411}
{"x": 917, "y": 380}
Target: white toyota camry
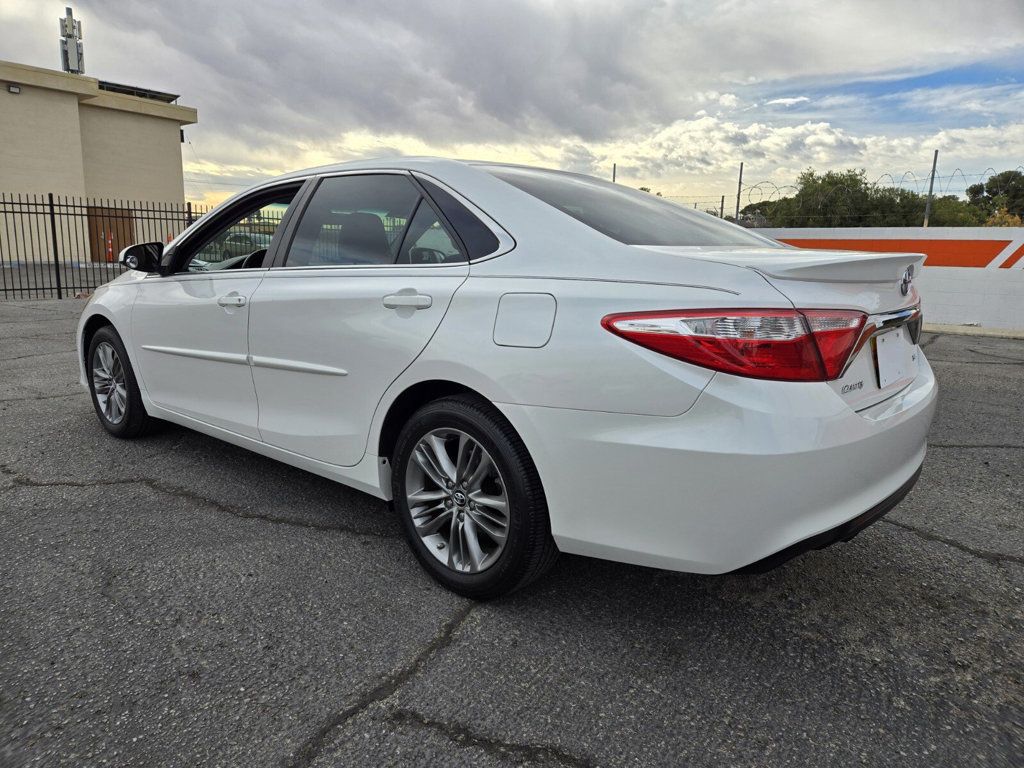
{"x": 526, "y": 362}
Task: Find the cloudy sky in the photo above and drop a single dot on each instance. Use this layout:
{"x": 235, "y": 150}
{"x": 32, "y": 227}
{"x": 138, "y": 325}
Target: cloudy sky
{"x": 676, "y": 93}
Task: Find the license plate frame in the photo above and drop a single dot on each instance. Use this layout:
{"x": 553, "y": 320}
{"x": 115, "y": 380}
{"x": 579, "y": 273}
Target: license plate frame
{"x": 891, "y": 357}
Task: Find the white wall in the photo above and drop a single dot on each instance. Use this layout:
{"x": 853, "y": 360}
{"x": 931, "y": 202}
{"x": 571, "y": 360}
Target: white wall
{"x": 989, "y": 298}
{"x": 971, "y": 276}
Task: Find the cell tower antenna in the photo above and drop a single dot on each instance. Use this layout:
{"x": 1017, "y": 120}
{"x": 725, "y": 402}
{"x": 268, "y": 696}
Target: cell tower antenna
{"x": 71, "y": 57}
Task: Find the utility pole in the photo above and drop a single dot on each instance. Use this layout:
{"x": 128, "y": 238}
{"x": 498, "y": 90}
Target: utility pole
{"x": 613, "y": 172}
{"x": 721, "y": 209}
{"x": 739, "y": 191}
{"x": 931, "y": 187}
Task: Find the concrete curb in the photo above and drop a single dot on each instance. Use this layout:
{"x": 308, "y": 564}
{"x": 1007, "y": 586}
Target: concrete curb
{"x": 973, "y": 330}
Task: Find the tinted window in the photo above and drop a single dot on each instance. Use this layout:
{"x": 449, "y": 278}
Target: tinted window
{"x": 241, "y": 243}
{"x": 627, "y": 215}
{"x": 354, "y": 220}
{"x": 479, "y": 240}
{"x": 427, "y": 241}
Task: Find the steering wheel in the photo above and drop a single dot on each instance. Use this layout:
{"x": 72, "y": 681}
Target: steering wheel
{"x": 254, "y": 260}
{"x": 418, "y": 255}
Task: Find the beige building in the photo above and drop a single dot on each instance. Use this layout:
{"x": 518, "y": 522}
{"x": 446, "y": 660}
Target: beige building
{"x": 76, "y": 135}
{"x": 97, "y": 146}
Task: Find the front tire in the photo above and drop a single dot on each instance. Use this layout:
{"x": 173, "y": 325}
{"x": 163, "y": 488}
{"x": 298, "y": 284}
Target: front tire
{"x": 470, "y": 499}
{"x": 114, "y": 389}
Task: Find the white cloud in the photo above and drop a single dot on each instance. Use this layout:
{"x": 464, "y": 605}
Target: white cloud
{"x": 788, "y": 101}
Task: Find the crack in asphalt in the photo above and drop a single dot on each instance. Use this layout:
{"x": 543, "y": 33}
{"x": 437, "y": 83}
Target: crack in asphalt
{"x": 310, "y": 749}
{"x": 982, "y": 352}
{"x": 20, "y": 479}
{"x": 975, "y": 445}
{"x": 928, "y": 342}
{"x": 972, "y": 362}
{"x": 37, "y": 354}
{"x": 996, "y": 558}
{"x": 463, "y": 736}
{"x": 41, "y": 397}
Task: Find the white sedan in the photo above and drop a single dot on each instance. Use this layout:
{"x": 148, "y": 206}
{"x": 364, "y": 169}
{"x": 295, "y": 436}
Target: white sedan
{"x": 527, "y": 362}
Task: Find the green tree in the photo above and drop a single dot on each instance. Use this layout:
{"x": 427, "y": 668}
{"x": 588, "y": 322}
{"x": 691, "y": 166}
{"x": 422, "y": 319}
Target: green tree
{"x": 847, "y": 199}
{"x": 951, "y": 211}
{"x": 1001, "y": 190}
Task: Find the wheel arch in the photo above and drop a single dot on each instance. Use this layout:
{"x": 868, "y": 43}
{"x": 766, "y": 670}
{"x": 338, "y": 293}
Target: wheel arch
{"x": 408, "y": 402}
{"x": 89, "y": 328}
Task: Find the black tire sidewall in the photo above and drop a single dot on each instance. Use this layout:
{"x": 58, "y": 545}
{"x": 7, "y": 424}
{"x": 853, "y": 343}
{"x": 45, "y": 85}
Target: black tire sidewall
{"x": 135, "y": 413}
{"x": 506, "y": 573}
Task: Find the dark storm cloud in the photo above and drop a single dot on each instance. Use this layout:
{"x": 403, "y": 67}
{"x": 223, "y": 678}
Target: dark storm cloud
{"x": 453, "y": 71}
{"x": 472, "y": 71}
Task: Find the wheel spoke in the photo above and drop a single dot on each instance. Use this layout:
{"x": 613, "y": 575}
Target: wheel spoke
{"x": 421, "y": 455}
{"x": 472, "y": 543}
{"x": 463, "y": 455}
{"x": 454, "y": 540}
{"x": 494, "y": 502}
{"x": 422, "y": 497}
{"x": 495, "y": 530}
{"x": 433, "y": 525}
{"x": 441, "y": 457}
{"x": 480, "y": 471}
{"x": 105, "y": 351}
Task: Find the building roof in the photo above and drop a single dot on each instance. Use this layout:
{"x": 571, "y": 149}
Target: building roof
{"x": 142, "y": 93}
{"x": 97, "y": 93}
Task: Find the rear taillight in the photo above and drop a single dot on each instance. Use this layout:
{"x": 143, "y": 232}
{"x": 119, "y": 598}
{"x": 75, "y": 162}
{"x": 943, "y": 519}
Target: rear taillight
{"x": 782, "y": 344}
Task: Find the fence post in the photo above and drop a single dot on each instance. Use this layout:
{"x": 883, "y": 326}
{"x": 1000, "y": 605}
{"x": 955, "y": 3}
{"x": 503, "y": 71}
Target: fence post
{"x": 188, "y": 214}
{"x": 56, "y": 252}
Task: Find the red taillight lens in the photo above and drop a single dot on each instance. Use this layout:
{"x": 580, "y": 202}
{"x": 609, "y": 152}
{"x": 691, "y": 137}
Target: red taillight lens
{"x": 781, "y": 344}
{"x": 835, "y": 332}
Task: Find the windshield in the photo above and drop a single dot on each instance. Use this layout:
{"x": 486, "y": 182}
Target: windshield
{"x": 627, "y": 215}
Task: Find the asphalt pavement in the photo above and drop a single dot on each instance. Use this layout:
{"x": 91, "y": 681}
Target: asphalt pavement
{"x": 179, "y": 601}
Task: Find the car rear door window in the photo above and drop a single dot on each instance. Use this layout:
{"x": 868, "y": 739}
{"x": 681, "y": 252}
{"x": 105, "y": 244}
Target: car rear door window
{"x": 354, "y": 220}
{"x": 427, "y": 241}
{"x": 479, "y": 240}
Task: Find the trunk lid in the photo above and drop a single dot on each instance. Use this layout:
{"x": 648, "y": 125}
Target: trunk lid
{"x": 872, "y": 283}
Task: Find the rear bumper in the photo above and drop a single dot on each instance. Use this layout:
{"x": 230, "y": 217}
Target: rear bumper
{"x": 753, "y": 471}
{"x": 842, "y": 532}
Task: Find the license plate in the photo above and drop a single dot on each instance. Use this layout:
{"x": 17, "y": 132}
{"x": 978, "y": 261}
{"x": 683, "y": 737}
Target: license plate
{"x": 893, "y": 360}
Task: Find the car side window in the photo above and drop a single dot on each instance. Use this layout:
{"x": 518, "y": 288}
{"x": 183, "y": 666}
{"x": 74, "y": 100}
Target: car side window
{"x": 427, "y": 241}
{"x": 356, "y": 219}
{"x": 477, "y": 237}
{"x": 242, "y": 241}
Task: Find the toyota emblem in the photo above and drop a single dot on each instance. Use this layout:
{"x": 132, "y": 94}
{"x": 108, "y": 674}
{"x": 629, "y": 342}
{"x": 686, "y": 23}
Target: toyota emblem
{"x": 908, "y": 278}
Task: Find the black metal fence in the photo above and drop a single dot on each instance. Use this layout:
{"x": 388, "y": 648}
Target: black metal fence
{"x": 55, "y": 246}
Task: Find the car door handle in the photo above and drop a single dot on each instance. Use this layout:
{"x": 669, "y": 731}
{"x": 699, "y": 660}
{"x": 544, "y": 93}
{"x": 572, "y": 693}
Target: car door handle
{"x": 414, "y": 300}
{"x": 232, "y": 300}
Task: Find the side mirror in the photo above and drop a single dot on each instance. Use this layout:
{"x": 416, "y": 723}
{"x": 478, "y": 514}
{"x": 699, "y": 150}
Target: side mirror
{"x": 144, "y": 257}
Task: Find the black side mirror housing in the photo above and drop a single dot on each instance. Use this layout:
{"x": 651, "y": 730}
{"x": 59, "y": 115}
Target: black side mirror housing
{"x": 143, "y": 257}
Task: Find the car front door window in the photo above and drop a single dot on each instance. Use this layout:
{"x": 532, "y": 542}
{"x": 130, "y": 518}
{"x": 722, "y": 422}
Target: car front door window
{"x": 237, "y": 244}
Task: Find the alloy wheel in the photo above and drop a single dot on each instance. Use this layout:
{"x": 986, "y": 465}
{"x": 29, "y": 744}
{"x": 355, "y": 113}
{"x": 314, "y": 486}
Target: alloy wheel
{"x": 108, "y": 382}
{"x": 457, "y": 500}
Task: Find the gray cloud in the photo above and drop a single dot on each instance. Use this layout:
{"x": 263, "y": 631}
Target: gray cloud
{"x": 471, "y": 71}
{"x": 581, "y": 83}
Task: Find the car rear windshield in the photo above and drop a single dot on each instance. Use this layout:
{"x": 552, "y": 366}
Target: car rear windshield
{"x": 627, "y": 215}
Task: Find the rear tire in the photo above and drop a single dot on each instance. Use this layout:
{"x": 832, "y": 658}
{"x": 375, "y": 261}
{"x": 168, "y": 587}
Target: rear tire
{"x": 114, "y": 389}
{"x": 502, "y": 540}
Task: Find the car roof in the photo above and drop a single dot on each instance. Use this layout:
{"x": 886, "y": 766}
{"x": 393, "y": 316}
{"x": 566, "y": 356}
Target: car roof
{"x": 422, "y": 163}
